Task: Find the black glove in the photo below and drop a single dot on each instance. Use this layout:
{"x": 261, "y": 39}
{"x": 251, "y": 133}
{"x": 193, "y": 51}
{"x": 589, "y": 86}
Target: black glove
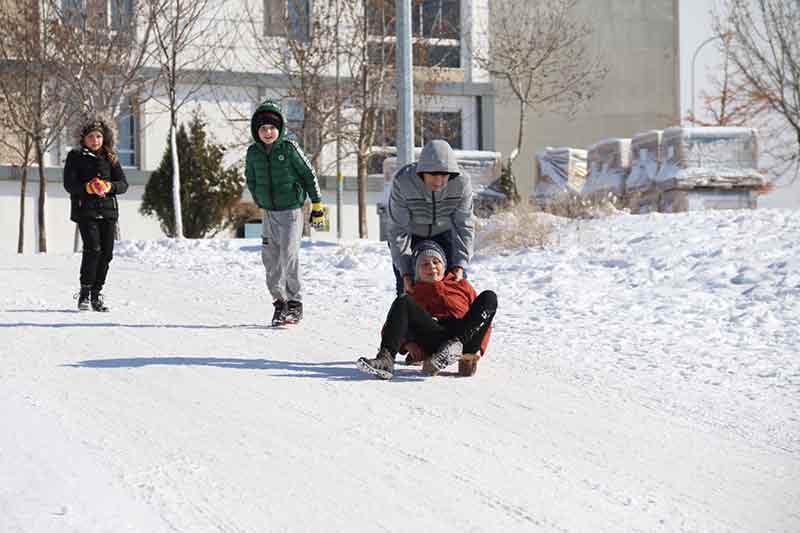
{"x": 317, "y": 218}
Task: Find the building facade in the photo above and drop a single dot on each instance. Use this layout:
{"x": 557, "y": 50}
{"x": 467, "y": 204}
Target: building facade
{"x": 638, "y": 42}
{"x": 636, "y": 39}
{"x": 458, "y": 104}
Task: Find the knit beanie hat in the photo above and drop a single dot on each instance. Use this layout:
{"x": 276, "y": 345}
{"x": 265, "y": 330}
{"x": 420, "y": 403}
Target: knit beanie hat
{"x": 428, "y": 248}
{"x": 94, "y": 125}
{"x": 268, "y": 117}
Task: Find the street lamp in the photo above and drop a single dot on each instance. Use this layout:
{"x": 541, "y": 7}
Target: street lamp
{"x": 725, "y": 37}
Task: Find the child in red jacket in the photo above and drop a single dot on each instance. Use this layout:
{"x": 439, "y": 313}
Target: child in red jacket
{"x": 441, "y": 314}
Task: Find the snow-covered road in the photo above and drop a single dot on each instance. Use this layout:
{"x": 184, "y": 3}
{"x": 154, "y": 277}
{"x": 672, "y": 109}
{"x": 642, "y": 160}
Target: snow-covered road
{"x": 643, "y": 376}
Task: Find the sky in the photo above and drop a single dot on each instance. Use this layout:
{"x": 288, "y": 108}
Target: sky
{"x": 642, "y": 376}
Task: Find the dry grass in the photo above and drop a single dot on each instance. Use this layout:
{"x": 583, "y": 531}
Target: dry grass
{"x": 574, "y": 206}
{"x": 513, "y": 229}
{"x": 527, "y": 225}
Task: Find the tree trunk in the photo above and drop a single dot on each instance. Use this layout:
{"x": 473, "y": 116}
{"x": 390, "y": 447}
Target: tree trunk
{"x": 23, "y": 190}
{"x": 42, "y": 204}
{"x": 362, "y": 196}
{"x": 522, "y": 109}
{"x": 176, "y": 182}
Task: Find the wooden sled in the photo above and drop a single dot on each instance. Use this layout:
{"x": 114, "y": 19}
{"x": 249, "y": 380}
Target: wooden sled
{"x": 467, "y": 365}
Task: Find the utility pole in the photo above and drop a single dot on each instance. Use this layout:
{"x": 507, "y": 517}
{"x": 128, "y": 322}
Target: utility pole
{"x": 405, "y": 86}
{"x": 339, "y": 177}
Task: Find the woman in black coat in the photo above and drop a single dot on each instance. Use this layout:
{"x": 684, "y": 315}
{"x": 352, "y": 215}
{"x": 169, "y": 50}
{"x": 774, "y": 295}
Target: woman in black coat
{"x": 93, "y": 177}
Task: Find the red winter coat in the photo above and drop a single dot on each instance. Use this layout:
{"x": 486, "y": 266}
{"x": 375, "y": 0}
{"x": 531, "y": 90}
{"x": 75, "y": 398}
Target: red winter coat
{"x": 448, "y": 299}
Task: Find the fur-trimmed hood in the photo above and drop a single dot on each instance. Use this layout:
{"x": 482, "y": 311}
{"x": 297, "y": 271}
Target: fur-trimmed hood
{"x": 106, "y": 126}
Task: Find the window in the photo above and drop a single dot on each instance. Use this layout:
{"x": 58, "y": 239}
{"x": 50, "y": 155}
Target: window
{"x": 288, "y": 18}
{"x": 428, "y": 125}
{"x": 436, "y": 32}
{"x": 72, "y": 11}
{"x": 295, "y": 115}
{"x": 440, "y": 125}
{"x": 118, "y": 14}
{"x": 121, "y": 14}
{"x": 436, "y": 19}
{"x": 380, "y": 17}
{"x": 126, "y": 134}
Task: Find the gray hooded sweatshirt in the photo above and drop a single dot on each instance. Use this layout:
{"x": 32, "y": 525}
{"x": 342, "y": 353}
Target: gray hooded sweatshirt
{"x": 414, "y": 209}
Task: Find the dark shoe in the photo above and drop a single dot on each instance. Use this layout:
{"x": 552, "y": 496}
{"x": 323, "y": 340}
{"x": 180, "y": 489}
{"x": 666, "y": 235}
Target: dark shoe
{"x": 294, "y": 311}
{"x": 279, "y": 316}
{"x": 84, "y": 298}
{"x": 98, "y": 304}
{"x": 382, "y": 366}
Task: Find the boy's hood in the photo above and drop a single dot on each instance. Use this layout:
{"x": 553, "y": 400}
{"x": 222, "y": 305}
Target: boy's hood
{"x": 272, "y": 107}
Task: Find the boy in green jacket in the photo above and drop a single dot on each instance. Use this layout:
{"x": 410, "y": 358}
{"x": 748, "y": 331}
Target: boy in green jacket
{"x": 279, "y": 177}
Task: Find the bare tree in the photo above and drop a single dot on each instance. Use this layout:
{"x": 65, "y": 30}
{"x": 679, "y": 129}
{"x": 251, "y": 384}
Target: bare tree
{"x": 22, "y": 148}
{"x": 190, "y": 41}
{"x": 730, "y": 101}
{"x": 103, "y": 51}
{"x": 765, "y": 48}
{"x": 539, "y": 50}
{"x": 303, "y": 47}
{"x": 33, "y": 103}
{"x": 103, "y": 47}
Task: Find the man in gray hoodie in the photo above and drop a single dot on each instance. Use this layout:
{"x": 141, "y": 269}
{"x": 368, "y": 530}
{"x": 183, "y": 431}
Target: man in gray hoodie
{"x": 430, "y": 199}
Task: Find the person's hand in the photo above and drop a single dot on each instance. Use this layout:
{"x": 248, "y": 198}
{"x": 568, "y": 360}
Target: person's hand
{"x": 98, "y": 187}
{"x": 415, "y": 353}
{"x": 458, "y": 272}
{"x": 317, "y": 218}
{"x": 408, "y": 284}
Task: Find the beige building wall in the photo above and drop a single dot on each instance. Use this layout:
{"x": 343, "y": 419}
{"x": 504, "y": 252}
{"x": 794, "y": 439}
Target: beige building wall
{"x": 637, "y": 40}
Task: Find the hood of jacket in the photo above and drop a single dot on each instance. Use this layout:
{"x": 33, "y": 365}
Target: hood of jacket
{"x": 272, "y": 107}
{"x": 438, "y": 156}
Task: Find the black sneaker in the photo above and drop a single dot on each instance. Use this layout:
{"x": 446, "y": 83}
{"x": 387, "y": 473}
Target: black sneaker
{"x": 279, "y": 316}
{"x": 294, "y": 312}
{"x": 98, "y": 304}
{"x": 84, "y": 298}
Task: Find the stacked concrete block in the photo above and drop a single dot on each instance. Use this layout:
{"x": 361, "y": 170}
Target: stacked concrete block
{"x": 708, "y": 168}
{"x": 609, "y": 165}
{"x": 642, "y": 195}
{"x": 562, "y": 175}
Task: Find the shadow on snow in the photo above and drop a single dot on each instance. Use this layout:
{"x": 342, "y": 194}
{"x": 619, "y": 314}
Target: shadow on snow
{"x": 339, "y": 370}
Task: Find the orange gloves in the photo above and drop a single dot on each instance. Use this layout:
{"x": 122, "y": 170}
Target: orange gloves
{"x": 98, "y": 187}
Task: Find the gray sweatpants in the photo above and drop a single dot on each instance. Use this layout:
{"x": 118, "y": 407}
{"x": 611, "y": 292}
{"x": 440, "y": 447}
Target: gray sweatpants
{"x": 281, "y": 232}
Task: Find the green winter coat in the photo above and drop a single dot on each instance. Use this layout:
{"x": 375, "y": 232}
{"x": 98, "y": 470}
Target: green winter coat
{"x": 281, "y": 178}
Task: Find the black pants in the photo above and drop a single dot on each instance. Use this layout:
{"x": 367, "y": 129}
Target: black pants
{"x": 98, "y": 250}
{"x": 444, "y": 239}
{"x": 407, "y": 320}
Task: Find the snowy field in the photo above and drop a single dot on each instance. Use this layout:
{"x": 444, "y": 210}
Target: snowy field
{"x": 643, "y": 375}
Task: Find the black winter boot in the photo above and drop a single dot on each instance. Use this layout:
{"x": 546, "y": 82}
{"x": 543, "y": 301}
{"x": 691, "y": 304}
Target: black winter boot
{"x": 294, "y": 311}
{"x": 97, "y": 302}
{"x": 279, "y": 316}
{"x": 84, "y": 297}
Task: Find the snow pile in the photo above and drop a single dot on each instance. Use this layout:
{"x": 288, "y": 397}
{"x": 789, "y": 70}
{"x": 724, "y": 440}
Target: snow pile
{"x": 643, "y": 376}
